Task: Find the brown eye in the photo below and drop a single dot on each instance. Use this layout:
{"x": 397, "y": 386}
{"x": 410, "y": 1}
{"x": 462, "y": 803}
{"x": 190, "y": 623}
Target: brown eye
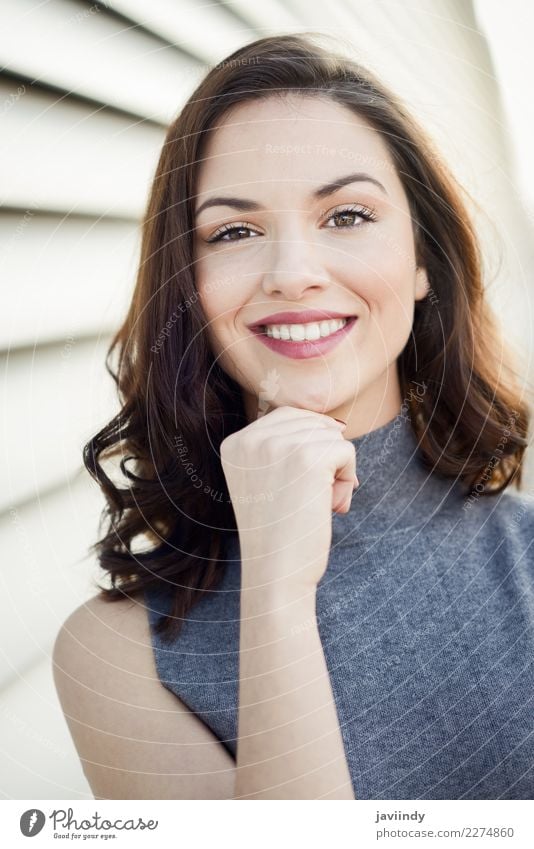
{"x": 233, "y": 232}
{"x": 346, "y": 218}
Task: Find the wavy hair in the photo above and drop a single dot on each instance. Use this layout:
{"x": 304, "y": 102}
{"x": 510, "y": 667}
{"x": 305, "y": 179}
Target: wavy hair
{"x": 177, "y": 404}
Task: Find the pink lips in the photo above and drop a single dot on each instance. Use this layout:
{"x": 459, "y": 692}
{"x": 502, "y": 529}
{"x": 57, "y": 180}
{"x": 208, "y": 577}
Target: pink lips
{"x": 305, "y": 349}
{"x": 300, "y": 317}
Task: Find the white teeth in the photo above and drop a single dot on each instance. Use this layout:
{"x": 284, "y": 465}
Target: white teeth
{"x": 309, "y": 332}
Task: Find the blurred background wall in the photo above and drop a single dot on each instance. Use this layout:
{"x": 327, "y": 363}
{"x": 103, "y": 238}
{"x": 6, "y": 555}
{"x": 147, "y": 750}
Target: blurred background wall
{"x": 86, "y": 92}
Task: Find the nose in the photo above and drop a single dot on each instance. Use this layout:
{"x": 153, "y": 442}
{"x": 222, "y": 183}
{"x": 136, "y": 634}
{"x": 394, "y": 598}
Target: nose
{"x": 294, "y": 266}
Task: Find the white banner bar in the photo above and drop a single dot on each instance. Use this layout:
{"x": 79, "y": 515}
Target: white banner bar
{"x": 267, "y": 824}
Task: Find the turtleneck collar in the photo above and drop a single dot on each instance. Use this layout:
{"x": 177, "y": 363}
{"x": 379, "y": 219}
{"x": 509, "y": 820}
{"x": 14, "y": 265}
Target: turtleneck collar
{"x": 396, "y": 492}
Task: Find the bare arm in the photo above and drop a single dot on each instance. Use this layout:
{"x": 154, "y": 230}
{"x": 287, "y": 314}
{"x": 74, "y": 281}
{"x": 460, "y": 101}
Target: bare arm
{"x": 290, "y": 744}
{"x": 135, "y": 739}
{"x": 289, "y": 740}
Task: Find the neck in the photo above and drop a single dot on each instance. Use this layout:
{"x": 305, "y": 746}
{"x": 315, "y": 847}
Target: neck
{"x": 397, "y": 491}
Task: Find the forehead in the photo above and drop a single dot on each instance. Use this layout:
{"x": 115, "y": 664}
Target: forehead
{"x": 296, "y": 138}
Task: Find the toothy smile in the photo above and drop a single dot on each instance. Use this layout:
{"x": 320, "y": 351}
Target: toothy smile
{"x": 304, "y": 332}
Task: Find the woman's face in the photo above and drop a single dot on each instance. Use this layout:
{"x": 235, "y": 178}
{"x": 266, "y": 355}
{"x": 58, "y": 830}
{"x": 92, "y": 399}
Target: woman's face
{"x": 280, "y": 235}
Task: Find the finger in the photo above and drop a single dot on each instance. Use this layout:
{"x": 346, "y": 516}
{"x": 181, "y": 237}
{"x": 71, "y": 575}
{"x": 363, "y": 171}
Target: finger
{"x": 322, "y": 435}
{"x": 343, "y": 465}
{"x": 344, "y": 470}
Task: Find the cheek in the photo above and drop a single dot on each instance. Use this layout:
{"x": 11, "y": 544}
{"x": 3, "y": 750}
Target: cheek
{"x": 211, "y": 302}
{"x": 221, "y": 290}
{"x": 215, "y": 294}
{"x": 384, "y": 274}
{"x": 221, "y": 310}
{"x": 383, "y": 280}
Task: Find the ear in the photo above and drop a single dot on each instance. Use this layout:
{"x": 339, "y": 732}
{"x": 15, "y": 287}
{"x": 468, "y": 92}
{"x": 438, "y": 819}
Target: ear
{"x": 422, "y": 286}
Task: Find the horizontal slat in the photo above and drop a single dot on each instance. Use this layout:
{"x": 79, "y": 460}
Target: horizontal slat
{"x": 60, "y": 155}
{"x": 204, "y": 29}
{"x": 90, "y": 52}
{"x": 64, "y": 276}
{"x": 508, "y": 28}
{"x": 46, "y": 571}
{"x": 53, "y": 400}
{"x": 39, "y": 760}
{"x": 272, "y": 16}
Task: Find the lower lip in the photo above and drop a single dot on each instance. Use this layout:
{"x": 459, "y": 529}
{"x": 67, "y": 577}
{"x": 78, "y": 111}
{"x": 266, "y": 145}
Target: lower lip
{"x": 304, "y": 350}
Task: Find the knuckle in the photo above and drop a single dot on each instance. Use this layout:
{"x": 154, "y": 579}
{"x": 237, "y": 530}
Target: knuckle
{"x": 226, "y": 447}
{"x": 309, "y": 454}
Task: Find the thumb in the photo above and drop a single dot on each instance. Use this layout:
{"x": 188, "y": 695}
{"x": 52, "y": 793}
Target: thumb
{"x": 345, "y": 483}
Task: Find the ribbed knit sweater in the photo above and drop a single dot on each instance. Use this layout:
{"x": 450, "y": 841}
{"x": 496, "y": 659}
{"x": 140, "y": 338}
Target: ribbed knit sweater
{"x": 425, "y": 614}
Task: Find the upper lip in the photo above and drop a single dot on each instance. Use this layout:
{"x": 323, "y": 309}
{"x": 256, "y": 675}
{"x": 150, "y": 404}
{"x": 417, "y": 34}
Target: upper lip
{"x": 300, "y": 317}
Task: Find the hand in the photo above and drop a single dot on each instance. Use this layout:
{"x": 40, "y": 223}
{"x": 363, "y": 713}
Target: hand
{"x": 286, "y": 472}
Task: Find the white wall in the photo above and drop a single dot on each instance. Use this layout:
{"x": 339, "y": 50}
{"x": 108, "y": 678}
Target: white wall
{"x": 85, "y": 94}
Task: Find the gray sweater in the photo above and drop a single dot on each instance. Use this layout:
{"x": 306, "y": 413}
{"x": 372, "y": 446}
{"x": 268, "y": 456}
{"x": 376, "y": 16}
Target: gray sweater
{"x": 425, "y": 613}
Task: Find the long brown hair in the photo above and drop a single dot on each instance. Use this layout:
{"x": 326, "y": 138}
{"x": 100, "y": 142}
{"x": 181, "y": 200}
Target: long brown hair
{"x": 177, "y": 403}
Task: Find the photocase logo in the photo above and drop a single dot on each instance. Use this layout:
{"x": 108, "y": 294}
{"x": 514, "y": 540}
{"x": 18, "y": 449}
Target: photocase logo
{"x": 31, "y": 822}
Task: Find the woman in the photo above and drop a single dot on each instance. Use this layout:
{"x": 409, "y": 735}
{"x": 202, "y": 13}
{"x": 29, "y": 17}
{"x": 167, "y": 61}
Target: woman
{"x": 309, "y": 302}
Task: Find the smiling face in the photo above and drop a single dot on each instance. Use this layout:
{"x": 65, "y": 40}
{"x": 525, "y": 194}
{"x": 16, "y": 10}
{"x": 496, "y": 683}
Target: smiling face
{"x": 292, "y": 229}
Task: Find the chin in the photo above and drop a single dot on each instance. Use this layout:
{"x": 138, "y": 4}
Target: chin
{"x": 316, "y": 402}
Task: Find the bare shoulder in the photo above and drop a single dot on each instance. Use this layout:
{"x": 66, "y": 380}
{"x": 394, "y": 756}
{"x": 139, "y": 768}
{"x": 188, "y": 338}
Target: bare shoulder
{"x": 135, "y": 739}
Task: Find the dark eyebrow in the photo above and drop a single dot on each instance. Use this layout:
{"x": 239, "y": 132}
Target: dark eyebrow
{"x": 358, "y": 177}
{"x": 323, "y": 191}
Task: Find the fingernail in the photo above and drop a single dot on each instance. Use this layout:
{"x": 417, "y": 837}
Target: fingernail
{"x": 356, "y": 481}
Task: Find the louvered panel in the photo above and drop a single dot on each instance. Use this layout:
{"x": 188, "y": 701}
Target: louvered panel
{"x": 335, "y": 19}
{"x": 270, "y": 16}
{"x": 90, "y": 52}
{"x": 207, "y": 30}
{"x": 66, "y": 277}
{"x": 59, "y": 154}
{"x": 46, "y": 570}
{"x": 52, "y": 400}
{"x": 38, "y": 756}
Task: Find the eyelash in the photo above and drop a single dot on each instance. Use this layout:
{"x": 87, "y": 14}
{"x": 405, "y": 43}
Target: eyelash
{"x": 364, "y": 213}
